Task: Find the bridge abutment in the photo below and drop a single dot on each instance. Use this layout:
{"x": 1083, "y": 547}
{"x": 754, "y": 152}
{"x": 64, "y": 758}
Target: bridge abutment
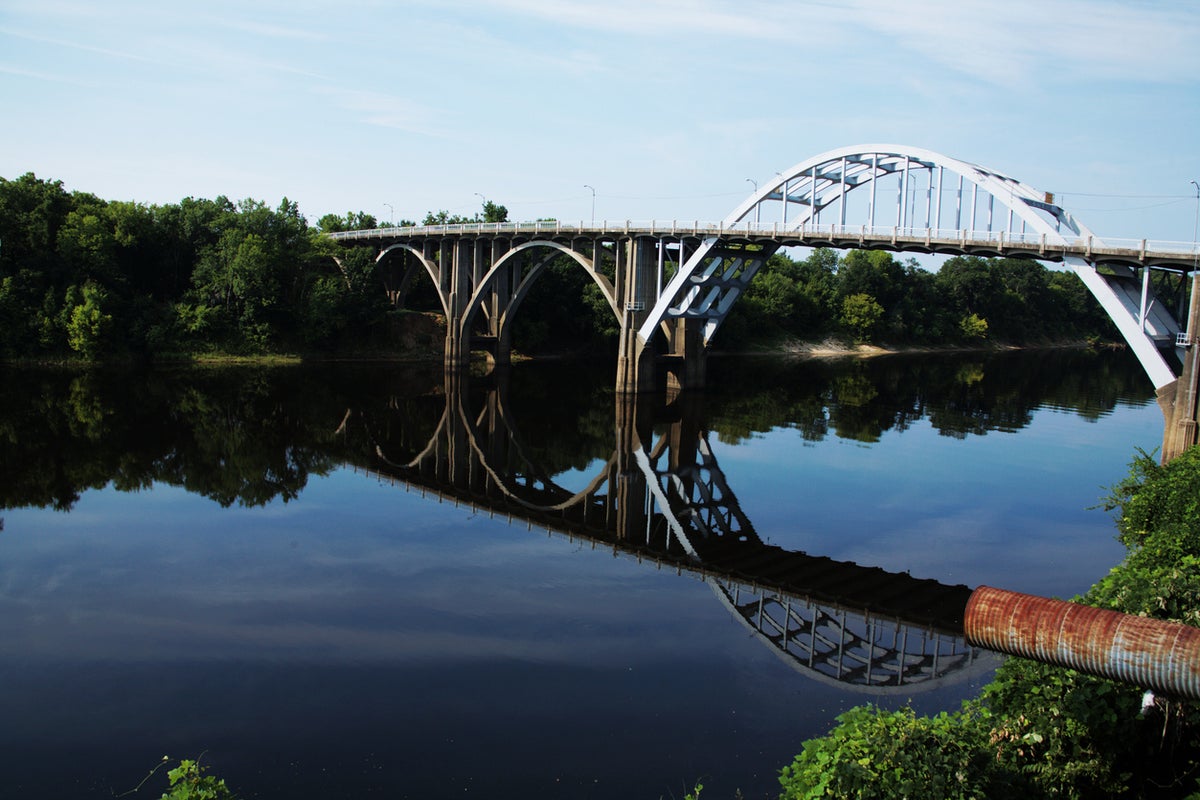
{"x": 1179, "y": 401}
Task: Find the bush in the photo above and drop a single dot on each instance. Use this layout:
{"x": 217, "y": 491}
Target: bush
{"x": 895, "y": 754}
{"x": 188, "y": 782}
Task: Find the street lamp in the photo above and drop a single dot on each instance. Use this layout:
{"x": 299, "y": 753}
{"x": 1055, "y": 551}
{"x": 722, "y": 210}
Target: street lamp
{"x": 757, "y": 206}
{"x": 593, "y": 203}
{"x": 1191, "y": 323}
{"x": 1196, "y": 224}
{"x": 391, "y": 214}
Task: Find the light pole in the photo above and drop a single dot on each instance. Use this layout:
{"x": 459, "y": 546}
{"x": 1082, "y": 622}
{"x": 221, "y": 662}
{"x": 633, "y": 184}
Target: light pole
{"x": 391, "y": 214}
{"x": 757, "y": 206}
{"x": 593, "y": 203}
{"x": 1191, "y": 322}
{"x": 1196, "y": 224}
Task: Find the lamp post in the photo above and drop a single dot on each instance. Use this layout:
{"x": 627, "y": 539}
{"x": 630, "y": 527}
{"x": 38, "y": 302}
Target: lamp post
{"x": 1196, "y": 224}
{"x": 391, "y": 214}
{"x": 757, "y": 206}
{"x": 1191, "y": 323}
{"x": 593, "y": 203}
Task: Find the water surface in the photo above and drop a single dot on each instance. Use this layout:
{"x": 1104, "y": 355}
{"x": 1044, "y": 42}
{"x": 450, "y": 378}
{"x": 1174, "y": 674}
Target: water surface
{"x": 225, "y": 561}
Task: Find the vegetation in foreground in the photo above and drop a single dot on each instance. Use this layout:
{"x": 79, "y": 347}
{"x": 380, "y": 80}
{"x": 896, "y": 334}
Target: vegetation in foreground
{"x": 86, "y": 279}
{"x": 1038, "y": 730}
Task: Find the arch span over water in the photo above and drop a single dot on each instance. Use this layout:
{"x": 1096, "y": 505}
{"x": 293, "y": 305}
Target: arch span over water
{"x": 928, "y": 202}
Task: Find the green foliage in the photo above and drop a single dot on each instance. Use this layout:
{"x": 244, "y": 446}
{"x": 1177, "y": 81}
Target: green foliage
{"x": 880, "y": 754}
{"x": 861, "y": 314}
{"x": 189, "y": 782}
{"x": 491, "y": 213}
{"x": 1064, "y": 733}
{"x": 968, "y": 300}
{"x": 353, "y": 221}
{"x": 85, "y": 278}
{"x": 973, "y": 326}
{"x": 88, "y": 324}
{"x": 1159, "y": 499}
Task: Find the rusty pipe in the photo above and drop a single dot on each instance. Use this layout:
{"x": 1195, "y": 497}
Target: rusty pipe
{"x": 1149, "y": 653}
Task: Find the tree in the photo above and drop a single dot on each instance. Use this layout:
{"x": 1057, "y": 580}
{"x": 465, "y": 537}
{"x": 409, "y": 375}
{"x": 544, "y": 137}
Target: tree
{"x": 88, "y": 324}
{"x": 973, "y": 326}
{"x": 860, "y": 315}
{"x": 494, "y": 213}
{"x": 352, "y": 221}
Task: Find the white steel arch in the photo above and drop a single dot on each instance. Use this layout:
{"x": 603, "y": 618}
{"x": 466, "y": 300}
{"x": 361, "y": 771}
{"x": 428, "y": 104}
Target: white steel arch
{"x": 800, "y": 194}
{"x": 910, "y": 191}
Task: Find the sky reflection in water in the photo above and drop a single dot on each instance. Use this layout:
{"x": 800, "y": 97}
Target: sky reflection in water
{"x": 364, "y": 640}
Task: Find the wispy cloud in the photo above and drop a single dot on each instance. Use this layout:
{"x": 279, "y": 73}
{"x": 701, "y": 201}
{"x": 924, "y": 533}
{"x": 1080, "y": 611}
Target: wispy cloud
{"x": 269, "y": 30}
{"x": 1007, "y": 43}
{"x": 658, "y": 17}
{"x": 1025, "y": 42}
{"x": 56, "y": 42}
{"x": 50, "y": 77}
{"x": 388, "y": 111}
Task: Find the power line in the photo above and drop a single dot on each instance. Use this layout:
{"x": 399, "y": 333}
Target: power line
{"x": 1128, "y": 196}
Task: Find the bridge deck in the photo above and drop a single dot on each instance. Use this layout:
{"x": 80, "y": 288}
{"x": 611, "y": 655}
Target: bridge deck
{"x": 1133, "y": 252}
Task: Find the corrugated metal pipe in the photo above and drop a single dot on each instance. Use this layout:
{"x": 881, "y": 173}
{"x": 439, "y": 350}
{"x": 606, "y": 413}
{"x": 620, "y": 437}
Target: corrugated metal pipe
{"x": 1149, "y": 653}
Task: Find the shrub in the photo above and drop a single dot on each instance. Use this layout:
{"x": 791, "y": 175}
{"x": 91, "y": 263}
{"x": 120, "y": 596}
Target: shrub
{"x": 894, "y": 754}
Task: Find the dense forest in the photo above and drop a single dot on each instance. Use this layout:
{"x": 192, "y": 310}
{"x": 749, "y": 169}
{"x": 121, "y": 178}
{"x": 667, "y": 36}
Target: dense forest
{"x": 90, "y": 279}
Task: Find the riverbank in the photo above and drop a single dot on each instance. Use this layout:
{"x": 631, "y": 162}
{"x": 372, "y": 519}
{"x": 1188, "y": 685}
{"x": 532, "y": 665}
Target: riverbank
{"x": 835, "y": 348}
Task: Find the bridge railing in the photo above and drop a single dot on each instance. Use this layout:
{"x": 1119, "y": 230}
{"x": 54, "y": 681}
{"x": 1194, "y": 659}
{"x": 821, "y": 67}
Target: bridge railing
{"x": 872, "y": 233}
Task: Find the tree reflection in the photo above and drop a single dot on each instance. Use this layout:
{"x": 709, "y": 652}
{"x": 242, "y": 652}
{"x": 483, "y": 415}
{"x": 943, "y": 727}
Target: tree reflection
{"x": 249, "y": 436}
{"x": 961, "y": 395}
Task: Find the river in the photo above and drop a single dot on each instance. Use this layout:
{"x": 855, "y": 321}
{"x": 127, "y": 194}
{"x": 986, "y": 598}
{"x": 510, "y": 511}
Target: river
{"x": 302, "y": 574}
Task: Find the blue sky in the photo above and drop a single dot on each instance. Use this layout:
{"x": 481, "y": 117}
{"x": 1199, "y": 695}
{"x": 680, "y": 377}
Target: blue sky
{"x": 666, "y": 107}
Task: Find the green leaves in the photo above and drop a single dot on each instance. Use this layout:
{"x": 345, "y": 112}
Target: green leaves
{"x": 188, "y": 782}
{"x": 894, "y": 754}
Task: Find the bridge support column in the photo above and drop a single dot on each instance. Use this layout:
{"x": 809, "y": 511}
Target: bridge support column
{"x": 637, "y": 260}
{"x": 634, "y": 427}
{"x": 456, "y": 276}
{"x": 1179, "y": 401}
{"x": 498, "y": 302}
{"x": 686, "y": 361}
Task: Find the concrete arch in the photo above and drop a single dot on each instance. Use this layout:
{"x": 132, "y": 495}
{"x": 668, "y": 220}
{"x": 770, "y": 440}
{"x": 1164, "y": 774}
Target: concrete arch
{"x": 485, "y": 284}
{"x": 432, "y": 269}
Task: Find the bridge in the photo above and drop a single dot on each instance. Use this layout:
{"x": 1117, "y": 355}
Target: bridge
{"x": 670, "y": 285}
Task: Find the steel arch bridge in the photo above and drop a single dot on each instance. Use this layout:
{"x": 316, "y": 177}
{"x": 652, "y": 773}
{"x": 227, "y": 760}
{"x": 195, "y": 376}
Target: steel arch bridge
{"x": 671, "y": 285}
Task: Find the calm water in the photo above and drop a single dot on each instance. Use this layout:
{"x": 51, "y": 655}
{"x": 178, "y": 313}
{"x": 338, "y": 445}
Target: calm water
{"x": 260, "y": 565}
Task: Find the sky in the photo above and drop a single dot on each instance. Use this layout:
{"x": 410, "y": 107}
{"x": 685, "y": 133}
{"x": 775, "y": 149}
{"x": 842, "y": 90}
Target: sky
{"x": 667, "y": 109}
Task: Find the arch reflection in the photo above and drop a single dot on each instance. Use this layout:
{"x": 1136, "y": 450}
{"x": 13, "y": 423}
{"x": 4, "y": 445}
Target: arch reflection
{"x": 662, "y": 498}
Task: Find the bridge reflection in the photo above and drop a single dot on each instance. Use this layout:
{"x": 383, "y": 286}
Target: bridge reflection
{"x": 662, "y": 499}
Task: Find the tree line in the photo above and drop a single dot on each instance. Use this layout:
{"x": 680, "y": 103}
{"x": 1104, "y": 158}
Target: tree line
{"x": 92, "y": 279}
{"x": 872, "y": 297}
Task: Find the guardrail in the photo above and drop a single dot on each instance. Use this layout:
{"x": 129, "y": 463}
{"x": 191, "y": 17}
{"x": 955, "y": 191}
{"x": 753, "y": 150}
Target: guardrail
{"x": 777, "y": 230}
